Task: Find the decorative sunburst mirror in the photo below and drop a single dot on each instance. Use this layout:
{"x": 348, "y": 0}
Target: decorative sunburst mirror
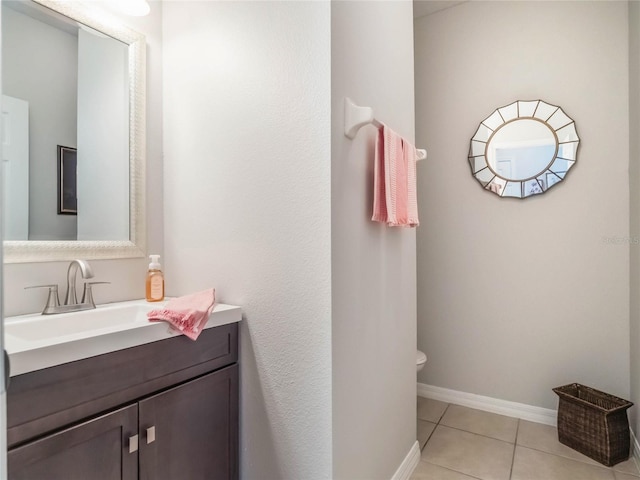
{"x": 523, "y": 149}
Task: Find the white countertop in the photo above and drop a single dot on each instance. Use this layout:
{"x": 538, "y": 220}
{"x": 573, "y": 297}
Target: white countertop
{"x": 36, "y": 341}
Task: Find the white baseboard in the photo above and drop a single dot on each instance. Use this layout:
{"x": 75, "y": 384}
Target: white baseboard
{"x": 409, "y": 464}
{"x": 489, "y": 404}
{"x": 635, "y": 449}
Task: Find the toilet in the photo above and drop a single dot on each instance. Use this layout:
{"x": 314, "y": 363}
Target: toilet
{"x": 421, "y": 359}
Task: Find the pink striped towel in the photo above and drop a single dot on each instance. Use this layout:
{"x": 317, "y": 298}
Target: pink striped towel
{"x": 188, "y": 314}
{"x": 394, "y": 184}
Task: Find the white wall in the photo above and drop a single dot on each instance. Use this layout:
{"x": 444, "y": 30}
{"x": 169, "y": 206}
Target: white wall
{"x": 127, "y": 276}
{"x": 634, "y": 203}
{"x": 373, "y": 266}
{"x": 519, "y": 296}
{"x": 247, "y": 209}
{"x": 15, "y": 168}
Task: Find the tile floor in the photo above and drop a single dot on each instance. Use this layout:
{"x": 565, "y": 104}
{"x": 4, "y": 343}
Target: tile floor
{"x": 460, "y": 443}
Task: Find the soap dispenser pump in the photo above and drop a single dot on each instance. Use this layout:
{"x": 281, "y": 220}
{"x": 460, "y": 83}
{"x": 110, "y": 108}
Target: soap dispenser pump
{"x": 155, "y": 280}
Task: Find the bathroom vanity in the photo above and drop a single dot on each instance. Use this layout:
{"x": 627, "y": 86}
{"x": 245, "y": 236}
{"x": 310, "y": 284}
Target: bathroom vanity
{"x": 165, "y": 409}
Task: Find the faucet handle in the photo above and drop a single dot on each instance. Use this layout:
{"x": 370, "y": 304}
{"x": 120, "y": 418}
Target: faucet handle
{"x": 87, "y": 294}
{"x": 52, "y": 299}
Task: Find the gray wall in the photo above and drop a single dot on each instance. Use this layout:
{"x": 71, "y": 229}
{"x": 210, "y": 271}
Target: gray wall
{"x": 40, "y": 65}
{"x": 373, "y": 266}
{"x": 519, "y": 296}
{"x": 247, "y": 209}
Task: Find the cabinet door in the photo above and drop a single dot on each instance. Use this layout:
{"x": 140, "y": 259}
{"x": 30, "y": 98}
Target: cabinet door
{"x": 97, "y": 449}
{"x": 191, "y": 431}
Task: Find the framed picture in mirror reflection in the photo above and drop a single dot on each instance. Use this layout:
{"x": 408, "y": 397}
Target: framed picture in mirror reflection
{"x": 67, "y": 163}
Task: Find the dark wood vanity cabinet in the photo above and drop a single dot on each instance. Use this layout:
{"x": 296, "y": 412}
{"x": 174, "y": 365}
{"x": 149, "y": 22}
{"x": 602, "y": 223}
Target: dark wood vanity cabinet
{"x": 193, "y": 437}
{"x": 93, "y": 449}
{"x": 180, "y": 422}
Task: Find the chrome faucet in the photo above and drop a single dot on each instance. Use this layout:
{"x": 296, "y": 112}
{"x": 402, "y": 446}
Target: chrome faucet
{"x": 71, "y": 303}
{"x": 85, "y": 269}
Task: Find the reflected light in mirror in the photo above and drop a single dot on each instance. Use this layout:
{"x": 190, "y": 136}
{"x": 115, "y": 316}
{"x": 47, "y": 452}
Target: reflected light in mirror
{"x": 530, "y": 141}
{"x": 133, "y": 8}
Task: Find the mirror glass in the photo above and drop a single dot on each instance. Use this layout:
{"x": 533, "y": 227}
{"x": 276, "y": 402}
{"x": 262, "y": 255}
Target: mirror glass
{"x": 523, "y": 149}
{"x": 73, "y": 133}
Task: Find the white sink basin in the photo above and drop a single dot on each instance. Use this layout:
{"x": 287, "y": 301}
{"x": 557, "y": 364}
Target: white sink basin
{"x": 40, "y": 341}
{"x": 50, "y": 327}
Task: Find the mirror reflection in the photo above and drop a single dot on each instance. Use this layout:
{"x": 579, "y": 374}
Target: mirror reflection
{"x": 523, "y": 149}
{"x": 65, "y": 88}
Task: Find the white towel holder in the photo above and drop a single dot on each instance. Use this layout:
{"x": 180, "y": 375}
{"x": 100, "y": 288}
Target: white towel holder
{"x": 356, "y": 117}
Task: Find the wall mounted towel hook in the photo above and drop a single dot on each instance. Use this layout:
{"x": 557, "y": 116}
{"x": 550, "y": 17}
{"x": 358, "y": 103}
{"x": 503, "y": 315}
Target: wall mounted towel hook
{"x": 356, "y": 117}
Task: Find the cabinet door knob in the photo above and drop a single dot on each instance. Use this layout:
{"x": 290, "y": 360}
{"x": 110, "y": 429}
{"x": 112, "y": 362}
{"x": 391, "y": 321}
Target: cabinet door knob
{"x": 151, "y": 434}
{"x": 133, "y": 444}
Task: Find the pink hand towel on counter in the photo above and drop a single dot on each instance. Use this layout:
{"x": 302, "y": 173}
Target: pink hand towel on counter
{"x": 394, "y": 189}
{"x": 187, "y": 314}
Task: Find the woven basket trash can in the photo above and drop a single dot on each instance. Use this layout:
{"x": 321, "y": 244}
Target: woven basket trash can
{"x": 594, "y": 423}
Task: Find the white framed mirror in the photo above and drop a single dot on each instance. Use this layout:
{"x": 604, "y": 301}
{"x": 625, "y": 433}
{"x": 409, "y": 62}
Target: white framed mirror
{"x": 523, "y": 149}
{"x": 86, "y": 96}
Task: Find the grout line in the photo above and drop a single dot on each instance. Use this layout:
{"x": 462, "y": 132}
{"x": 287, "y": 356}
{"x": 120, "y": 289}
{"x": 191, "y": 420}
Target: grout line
{"x": 452, "y": 470}
{"x": 583, "y": 462}
{"x": 429, "y": 438}
{"x": 443, "y": 413}
{"x": 477, "y": 434}
{"x": 435, "y": 425}
{"x": 515, "y": 443}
